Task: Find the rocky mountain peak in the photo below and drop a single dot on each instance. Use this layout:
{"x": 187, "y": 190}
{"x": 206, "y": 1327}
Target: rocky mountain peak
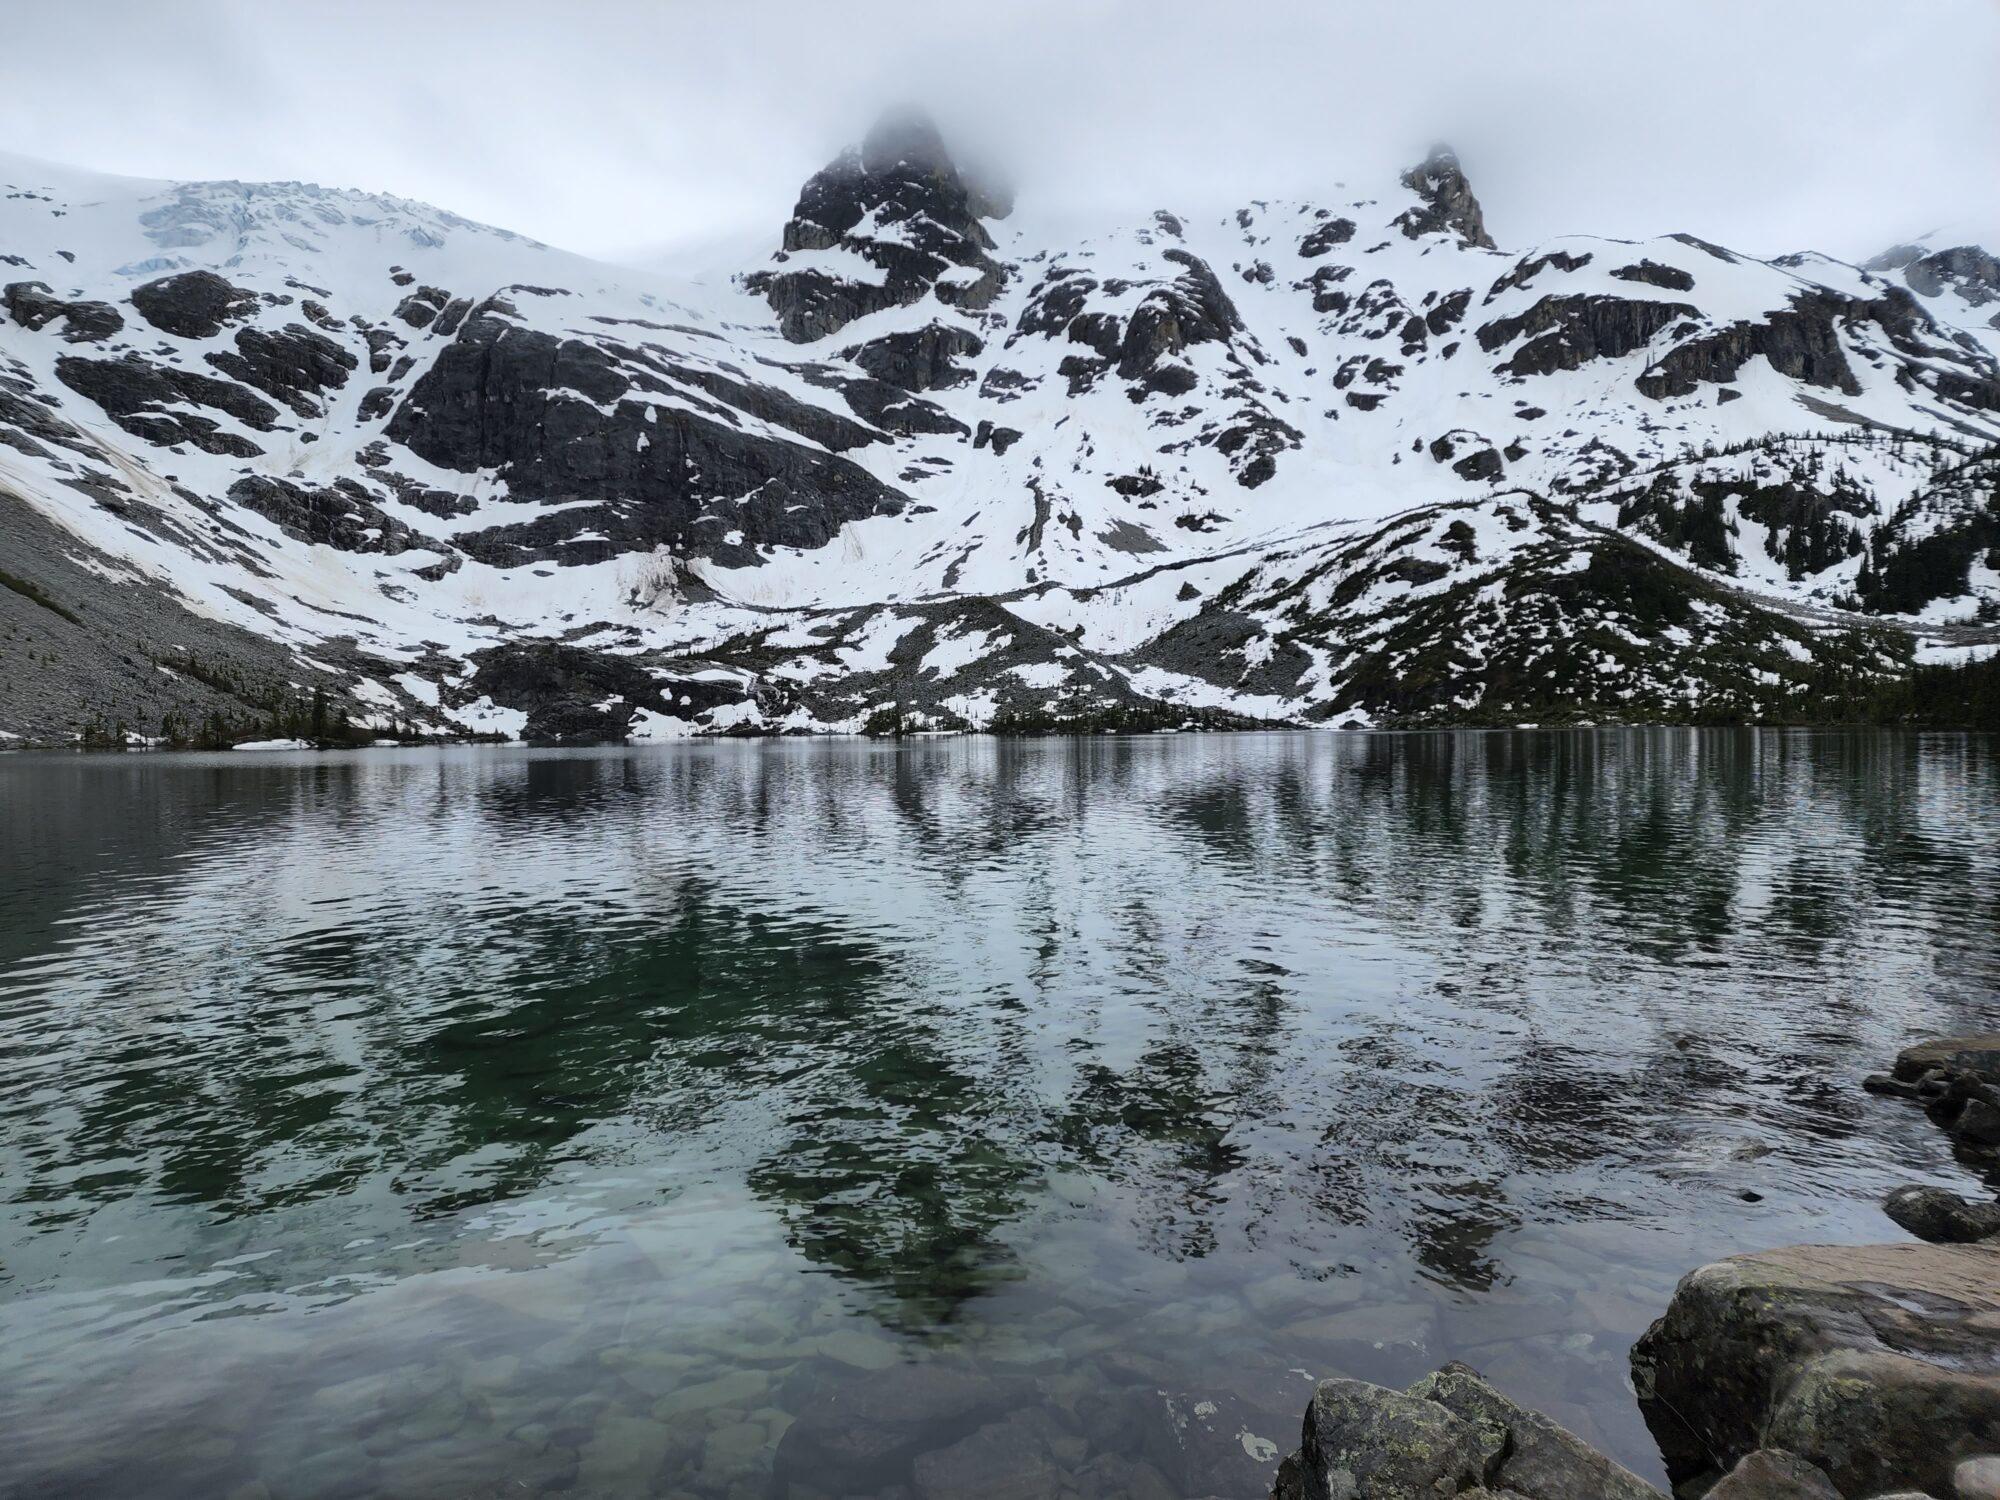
{"x": 885, "y": 225}
{"x": 1449, "y": 204}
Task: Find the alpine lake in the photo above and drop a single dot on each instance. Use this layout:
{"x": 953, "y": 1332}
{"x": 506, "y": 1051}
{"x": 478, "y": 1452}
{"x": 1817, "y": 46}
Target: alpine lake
{"x": 497, "y": 1121}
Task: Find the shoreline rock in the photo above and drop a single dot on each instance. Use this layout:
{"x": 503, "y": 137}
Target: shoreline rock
{"x": 1957, "y": 1081}
{"x": 1451, "y": 1433}
{"x": 1879, "y": 1364}
{"x": 1812, "y": 1372}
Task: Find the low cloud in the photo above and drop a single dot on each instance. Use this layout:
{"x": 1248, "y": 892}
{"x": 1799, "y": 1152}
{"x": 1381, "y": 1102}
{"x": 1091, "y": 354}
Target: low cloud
{"x": 621, "y": 129}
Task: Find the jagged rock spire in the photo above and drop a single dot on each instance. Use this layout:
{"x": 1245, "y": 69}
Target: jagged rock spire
{"x": 899, "y": 202}
{"x": 1449, "y": 203}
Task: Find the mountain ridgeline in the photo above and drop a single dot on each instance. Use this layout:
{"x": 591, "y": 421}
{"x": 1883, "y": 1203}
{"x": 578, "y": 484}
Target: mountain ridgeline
{"x": 275, "y": 457}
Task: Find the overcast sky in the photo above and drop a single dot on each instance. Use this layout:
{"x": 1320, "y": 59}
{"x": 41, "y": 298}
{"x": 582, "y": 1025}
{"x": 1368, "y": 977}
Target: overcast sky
{"x": 619, "y": 127}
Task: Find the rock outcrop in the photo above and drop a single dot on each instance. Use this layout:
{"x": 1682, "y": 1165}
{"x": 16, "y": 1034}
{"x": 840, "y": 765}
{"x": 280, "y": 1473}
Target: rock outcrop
{"x": 34, "y": 307}
{"x": 1878, "y": 1364}
{"x": 901, "y": 224}
{"x": 1448, "y": 202}
{"x": 1957, "y": 1080}
{"x": 193, "y": 305}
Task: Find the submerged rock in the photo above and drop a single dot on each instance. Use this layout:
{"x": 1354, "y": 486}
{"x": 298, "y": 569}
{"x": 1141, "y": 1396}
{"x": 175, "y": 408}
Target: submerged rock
{"x": 1008, "y": 1460}
{"x": 861, "y": 1434}
{"x": 1216, "y": 1444}
{"x": 1880, "y": 1364}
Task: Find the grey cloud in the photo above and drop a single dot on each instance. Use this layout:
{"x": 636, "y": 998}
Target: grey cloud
{"x": 621, "y": 128}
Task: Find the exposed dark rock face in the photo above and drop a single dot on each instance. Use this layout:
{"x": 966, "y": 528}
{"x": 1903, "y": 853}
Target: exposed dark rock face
{"x": 296, "y": 365}
{"x": 575, "y": 695}
{"x": 1566, "y": 332}
{"x": 421, "y": 308}
{"x": 1527, "y": 270}
{"x": 572, "y": 723}
{"x": 1189, "y": 308}
{"x": 887, "y": 407}
{"x": 920, "y": 223}
{"x": 34, "y": 307}
{"x": 194, "y": 304}
{"x": 382, "y": 345}
{"x": 1319, "y": 241}
{"x": 1528, "y": 1453}
{"x": 1003, "y": 438}
{"x": 1192, "y": 309}
{"x": 343, "y": 515}
{"x": 1879, "y": 1364}
{"x": 534, "y": 408}
{"x": 135, "y": 393}
{"x": 1471, "y": 457}
{"x": 1970, "y": 271}
{"x": 1652, "y": 273}
{"x": 1449, "y": 204}
{"x": 1800, "y": 341}
{"x": 921, "y": 359}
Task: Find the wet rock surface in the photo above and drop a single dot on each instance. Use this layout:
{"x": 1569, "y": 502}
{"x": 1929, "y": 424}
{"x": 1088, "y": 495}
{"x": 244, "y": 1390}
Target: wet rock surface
{"x": 1957, "y": 1081}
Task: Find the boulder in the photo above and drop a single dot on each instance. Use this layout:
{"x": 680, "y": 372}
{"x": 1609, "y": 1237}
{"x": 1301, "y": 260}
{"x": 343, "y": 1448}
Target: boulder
{"x": 1532, "y": 1455}
{"x": 1977, "y": 1055}
{"x": 1880, "y": 1364}
{"x": 1977, "y": 1478}
{"x": 1367, "y": 1442}
{"x": 1773, "y": 1474}
{"x": 1943, "y": 1218}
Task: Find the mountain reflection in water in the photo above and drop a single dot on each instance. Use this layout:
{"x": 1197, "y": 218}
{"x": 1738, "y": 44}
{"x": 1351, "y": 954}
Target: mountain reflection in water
{"x": 1243, "y": 1055}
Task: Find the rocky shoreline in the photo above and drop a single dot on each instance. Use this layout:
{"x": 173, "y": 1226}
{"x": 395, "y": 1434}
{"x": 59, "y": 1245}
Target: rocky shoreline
{"x": 1814, "y": 1372}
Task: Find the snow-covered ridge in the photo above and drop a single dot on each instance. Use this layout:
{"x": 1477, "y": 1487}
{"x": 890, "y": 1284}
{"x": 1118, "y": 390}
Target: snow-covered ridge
{"x": 927, "y": 459}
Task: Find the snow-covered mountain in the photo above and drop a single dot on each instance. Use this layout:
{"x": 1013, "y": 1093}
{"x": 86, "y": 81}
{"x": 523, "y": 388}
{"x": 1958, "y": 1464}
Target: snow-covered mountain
{"x": 935, "y": 461}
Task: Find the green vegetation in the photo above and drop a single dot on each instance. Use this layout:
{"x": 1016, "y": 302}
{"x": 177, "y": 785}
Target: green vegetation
{"x": 1964, "y": 695}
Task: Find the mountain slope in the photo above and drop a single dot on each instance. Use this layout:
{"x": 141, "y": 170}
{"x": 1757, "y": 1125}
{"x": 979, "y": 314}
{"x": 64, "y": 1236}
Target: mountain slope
{"x": 1334, "y": 463}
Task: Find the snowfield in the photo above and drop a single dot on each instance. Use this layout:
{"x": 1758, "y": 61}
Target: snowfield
{"x": 1330, "y": 463}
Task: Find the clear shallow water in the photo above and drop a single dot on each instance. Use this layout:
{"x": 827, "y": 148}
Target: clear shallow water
{"x": 405, "y": 1123}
